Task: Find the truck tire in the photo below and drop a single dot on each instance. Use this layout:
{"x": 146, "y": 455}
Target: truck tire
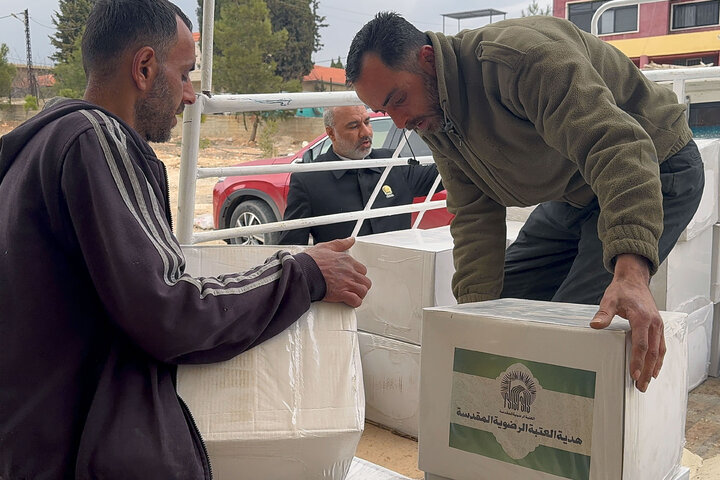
{"x": 253, "y": 212}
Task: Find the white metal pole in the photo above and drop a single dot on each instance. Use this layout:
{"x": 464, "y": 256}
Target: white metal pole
{"x": 188, "y": 170}
{"x": 215, "y": 172}
{"x": 260, "y": 102}
{"x": 613, "y": 4}
{"x": 307, "y": 222}
{"x": 207, "y": 46}
{"x": 421, "y": 213}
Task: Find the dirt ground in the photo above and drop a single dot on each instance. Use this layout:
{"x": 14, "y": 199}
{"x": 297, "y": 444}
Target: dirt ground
{"x": 214, "y": 152}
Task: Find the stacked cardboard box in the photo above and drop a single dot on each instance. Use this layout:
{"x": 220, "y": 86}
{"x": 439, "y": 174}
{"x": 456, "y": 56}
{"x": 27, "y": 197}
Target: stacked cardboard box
{"x": 391, "y": 376}
{"x": 410, "y": 269}
{"x": 292, "y": 407}
{"x": 364, "y": 470}
{"x": 682, "y": 474}
{"x": 714, "y": 367}
{"x": 526, "y": 389}
{"x": 704, "y": 355}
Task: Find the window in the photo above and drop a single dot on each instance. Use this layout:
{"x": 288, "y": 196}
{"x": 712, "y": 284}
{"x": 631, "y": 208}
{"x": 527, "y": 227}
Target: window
{"x": 689, "y": 62}
{"x": 698, "y": 14}
{"x": 615, "y": 20}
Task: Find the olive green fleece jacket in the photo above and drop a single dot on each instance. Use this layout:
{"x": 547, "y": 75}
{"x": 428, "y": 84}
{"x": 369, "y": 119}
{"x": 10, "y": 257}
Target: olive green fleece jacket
{"x": 536, "y": 110}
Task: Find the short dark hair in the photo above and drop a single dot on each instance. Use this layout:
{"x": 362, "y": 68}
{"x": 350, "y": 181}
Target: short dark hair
{"x": 395, "y": 40}
{"x": 115, "y": 26}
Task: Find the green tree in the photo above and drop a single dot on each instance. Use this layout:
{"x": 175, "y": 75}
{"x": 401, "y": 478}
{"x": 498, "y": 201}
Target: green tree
{"x": 70, "y": 78}
{"x": 535, "y": 9}
{"x": 300, "y": 19}
{"x": 244, "y": 63}
{"x": 7, "y": 72}
{"x": 319, "y": 23}
{"x": 338, "y": 64}
{"x": 294, "y": 60}
{"x": 31, "y": 103}
{"x": 70, "y": 22}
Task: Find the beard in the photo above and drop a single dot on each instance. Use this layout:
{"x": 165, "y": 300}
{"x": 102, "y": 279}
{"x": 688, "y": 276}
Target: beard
{"x": 434, "y": 119}
{"x": 352, "y": 150}
{"x": 154, "y": 113}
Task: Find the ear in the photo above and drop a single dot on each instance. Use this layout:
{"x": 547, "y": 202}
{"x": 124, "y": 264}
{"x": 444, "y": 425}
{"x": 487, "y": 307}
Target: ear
{"x": 330, "y": 132}
{"x": 144, "y": 68}
{"x": 427, "y": 59}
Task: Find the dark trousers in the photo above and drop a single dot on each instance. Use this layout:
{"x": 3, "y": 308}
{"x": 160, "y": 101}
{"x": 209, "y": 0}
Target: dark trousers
{"x": 558, "y": 255}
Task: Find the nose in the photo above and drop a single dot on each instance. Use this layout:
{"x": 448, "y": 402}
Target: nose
{"x": 399, "y": 120}
{"x": 366, "y": 130}
{"x": 188, "y": 94}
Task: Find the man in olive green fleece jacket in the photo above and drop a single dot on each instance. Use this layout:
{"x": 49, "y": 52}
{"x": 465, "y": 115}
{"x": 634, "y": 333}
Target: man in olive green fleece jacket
{"x": 534, "y": 110}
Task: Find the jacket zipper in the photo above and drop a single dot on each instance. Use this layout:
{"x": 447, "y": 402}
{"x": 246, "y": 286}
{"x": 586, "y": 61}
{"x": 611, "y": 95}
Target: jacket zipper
{"x": 189, "y": 416}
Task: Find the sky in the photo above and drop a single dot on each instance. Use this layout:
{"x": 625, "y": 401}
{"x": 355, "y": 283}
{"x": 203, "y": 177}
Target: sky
{"x": 344, "y": 19}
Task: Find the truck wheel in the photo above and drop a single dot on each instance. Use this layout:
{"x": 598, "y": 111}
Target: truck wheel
{"x": 253, "y": 212}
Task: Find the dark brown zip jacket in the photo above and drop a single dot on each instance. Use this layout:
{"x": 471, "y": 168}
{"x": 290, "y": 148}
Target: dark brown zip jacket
{"x": 96, "y": 310}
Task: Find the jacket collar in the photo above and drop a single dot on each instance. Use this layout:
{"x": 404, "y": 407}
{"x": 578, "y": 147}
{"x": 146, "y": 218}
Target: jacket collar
{"x": 451, "y": 88}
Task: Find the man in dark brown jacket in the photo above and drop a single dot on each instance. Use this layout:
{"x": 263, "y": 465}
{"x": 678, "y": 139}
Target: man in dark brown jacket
{"x": 534, "y": 110}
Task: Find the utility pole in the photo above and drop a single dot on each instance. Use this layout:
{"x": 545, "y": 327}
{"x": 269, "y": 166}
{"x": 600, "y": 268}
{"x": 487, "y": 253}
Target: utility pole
{"x": 32, "y": 82}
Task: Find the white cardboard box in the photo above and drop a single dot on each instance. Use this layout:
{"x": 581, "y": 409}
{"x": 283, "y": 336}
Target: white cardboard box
{"x": 714, "y": 370}
{"x": 523, "y": 389}
{"x": 391, "y": 375}
{"x": 700, "y": 326}
{"x": 409, "y": 269}
{"x": 715, "y": 268}
{"x": 685, "y": 275}
{"x": 707, "y": 212}
{"x": 364, "y": 470}
{"x": 682, "y": 474}
{"x": 292, "y": 407}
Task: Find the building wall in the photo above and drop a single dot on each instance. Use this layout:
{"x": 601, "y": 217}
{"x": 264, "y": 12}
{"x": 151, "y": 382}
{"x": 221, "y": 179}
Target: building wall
{"x": 655, "y": 20}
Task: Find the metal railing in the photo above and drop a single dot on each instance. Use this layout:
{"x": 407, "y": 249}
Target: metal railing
{"x": 190, "y": 172}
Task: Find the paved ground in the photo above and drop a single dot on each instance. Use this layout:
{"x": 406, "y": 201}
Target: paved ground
{"x": 702, "y": 433}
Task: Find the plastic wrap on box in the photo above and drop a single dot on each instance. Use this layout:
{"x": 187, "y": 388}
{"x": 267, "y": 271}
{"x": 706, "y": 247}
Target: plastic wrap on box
{"x": 682, "y": 474}
{"x": 290, "y": 408}
{"x": 391, "y": 375}
{"x": 410, "y": 269}
{"x": 707, "y": 212}
{"x": 700, "y": 326}
{"x": 715, "y": 268}
{"x": 364, "y": 470}
{"x": 526, "y": 389}
{"x": 685, "y": 275}
{"x": 714, "y": 370}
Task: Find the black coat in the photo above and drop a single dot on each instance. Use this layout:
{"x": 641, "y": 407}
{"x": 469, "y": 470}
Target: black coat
{"x": 313, "y": 194}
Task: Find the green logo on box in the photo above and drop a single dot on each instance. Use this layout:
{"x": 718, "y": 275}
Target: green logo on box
{"x": 531, "y": 414}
